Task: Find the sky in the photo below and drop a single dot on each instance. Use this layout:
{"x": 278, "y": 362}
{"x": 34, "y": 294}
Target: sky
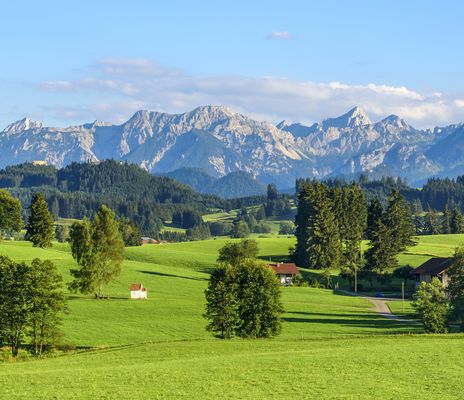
{"x": 72, "y": 62}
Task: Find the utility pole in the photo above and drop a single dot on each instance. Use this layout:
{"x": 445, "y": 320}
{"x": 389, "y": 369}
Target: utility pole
{"x": 402, "y": 297}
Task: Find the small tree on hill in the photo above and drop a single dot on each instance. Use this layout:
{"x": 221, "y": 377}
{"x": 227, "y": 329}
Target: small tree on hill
{"x": 240, "y": 230}
{"x": 260, "y": 307}
{"x": 98, "y": 249}
{"x": 48, "y": 301}
{"x": 234, "y": 253}
{"x": 222, "y": 303}
{"x": 10, "y": 213}
{"x": 40, "y": 229}
{"x": 243, "y": 295}
{"x": 431, "y": 305}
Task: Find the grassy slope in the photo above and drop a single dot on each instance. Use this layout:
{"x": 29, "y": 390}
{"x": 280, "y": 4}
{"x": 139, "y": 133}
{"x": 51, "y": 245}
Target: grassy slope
{"x": 203, "y": 367}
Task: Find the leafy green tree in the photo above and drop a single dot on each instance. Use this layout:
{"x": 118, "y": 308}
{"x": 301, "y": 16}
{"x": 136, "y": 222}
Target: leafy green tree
{"x": 286, "y": 228}
{"x": 457, "y": 221}
{"x": 432, "y": 224}
{"x": 240, "y": 230}
{"x": 98, "y": 249}
{"x": 222, "y": 302}
{"x": 48, "y": 302}
{"x": 10, "y": 213}
{"x": 40, "y": 229}
{"x": 399, "y": 222}
{"x": 404, "y": 272}
{"x": 62, "y": 233}
{"x": 455, "y": 288}
{"x": 243, "y": 295}
{"x": 260, "y": 306}
{"x": 15, "y": 302}
{"x": 130, "y": 233}
{"x": 432, "y": 306}
{"x": 30, "y": 302}
{"x": 235, "y": 253}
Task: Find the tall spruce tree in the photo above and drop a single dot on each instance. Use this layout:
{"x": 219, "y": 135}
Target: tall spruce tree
{"x": 399, "y": 222}
{"x": 374, "y": 215}
{"x": 324, "y": 246}
{"x": 40, "y": 229}
{"x": 432, "y": 224}
{"x": 457, "y": 221}
{"x": 446, "y": 220}
{"x": 381, "y": 255}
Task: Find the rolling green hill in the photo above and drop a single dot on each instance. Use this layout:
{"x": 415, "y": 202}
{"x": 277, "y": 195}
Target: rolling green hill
{"x": 331, "y": 346}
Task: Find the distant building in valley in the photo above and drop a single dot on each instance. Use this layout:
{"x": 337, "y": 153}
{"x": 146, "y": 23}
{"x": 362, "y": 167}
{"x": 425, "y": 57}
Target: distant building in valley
{"x": 138, "y": 291}
{"x": 39, "y": 162}
{"x": 434, "y": 268}
{"x": 149, "y": 240}
{"x": 285, "y": 272}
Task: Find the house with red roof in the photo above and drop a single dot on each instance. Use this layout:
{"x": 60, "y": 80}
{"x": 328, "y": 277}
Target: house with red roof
{"x": 285, "y": 272}
{"x": 138, "y": 291}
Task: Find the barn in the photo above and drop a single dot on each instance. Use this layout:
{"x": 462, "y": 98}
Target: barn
{"x": 138, "y": 291}
{"x": 434, "y": 268}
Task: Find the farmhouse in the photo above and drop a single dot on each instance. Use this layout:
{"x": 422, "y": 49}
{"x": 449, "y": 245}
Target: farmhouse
{"x": 435, "y": 267}
{"x": 149, "y": 240}
{"x": 285, "y": 272}
{"x": 138, "y": 291}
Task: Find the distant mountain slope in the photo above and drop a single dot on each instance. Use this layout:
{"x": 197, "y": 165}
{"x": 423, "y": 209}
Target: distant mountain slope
{"x": 220, "y": 141}
{"x": 233, "y": 185}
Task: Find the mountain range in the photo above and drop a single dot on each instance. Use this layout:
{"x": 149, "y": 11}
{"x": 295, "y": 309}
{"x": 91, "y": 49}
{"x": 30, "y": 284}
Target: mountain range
{"x": 218, "y": 141}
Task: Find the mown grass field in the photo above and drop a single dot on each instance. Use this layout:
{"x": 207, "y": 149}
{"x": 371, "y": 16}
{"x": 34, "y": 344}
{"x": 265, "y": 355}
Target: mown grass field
{"x": 331, "y": 346}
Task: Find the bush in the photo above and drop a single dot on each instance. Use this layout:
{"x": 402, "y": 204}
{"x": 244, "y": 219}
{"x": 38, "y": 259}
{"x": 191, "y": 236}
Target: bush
{"x": 432, "y": 306}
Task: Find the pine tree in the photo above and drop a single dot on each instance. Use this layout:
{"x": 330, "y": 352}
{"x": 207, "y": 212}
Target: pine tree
{"x": 40, "y": 229}
{"x": 381, "y": 255}
{"x": 399, "y": 222}
{"x": 446, "y": 221}
{"x": 432, "y": 223}
{"x": 374, "y": 215}
{"x": 457, "y": 221}
{"x": 324, "y": 246}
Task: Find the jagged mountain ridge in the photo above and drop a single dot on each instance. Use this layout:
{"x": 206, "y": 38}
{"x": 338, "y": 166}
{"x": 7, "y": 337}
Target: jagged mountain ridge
{"x": 221, "y": 141}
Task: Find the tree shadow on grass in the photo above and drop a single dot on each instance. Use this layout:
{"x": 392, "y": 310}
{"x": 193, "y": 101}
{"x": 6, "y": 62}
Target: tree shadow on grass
{"x": 360, "y": 320}
{"x": 275, "y": 258}
{"x": 172, "y": 275}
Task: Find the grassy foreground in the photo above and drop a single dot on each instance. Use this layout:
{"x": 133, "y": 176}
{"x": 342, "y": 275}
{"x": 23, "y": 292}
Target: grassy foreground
{"x": 331, "y": 346}
{"x": 369, "y": 368}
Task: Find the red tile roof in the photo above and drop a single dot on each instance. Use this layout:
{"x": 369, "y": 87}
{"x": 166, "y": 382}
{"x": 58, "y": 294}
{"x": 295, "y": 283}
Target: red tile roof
{"x": 136, "y": 286}
{"x": 284, "y": 268}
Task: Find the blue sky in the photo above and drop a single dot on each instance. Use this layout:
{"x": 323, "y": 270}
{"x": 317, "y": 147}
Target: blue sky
{"x": 73, "y": 62}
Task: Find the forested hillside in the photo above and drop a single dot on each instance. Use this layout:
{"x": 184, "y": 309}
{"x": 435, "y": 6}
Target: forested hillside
{"x": 78, "y": 190}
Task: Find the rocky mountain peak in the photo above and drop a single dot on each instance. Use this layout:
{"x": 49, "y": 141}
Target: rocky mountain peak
{"x": 354, "y": 118}
{"x": 23, "y": 125}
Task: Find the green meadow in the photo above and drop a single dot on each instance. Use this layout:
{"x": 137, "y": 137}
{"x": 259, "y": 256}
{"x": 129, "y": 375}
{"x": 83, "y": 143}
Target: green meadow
{"x": 331, "y": 346}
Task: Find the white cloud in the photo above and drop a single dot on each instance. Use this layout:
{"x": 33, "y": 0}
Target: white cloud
{"x": 280, "y": 35}
{"x": 125, "y": 85}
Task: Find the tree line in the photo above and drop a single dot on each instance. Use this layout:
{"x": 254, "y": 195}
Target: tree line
{"x": 331, "y": 223}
